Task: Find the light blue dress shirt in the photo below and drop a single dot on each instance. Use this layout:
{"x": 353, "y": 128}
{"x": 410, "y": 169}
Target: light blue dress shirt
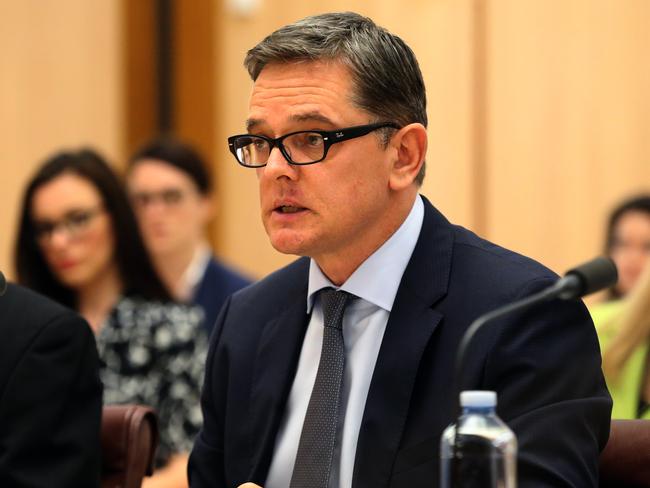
{"x": 375, "y": 283}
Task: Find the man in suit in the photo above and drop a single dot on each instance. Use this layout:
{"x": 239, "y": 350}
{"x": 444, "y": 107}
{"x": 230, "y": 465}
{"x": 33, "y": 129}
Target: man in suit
{"x": 353, "y": 211}
{"x": 50, "y": 395}
{"x": 171, "y": 191}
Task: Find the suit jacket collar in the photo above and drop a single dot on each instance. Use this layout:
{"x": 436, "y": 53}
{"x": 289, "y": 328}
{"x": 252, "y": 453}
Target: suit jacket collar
{"x": 409, "y": 329}
{"x": 275, "y": 366}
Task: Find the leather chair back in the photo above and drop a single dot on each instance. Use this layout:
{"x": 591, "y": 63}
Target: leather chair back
{"x": 625, "y": 461}
{"x": 129, "y": 436}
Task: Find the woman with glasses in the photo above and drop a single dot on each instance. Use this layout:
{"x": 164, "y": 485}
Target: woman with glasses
{"x": 78, "y": 243}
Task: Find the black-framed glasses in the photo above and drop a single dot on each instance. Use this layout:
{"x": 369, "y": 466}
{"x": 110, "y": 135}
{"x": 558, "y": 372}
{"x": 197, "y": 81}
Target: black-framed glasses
{"x": 74, "y": 223}
{"x": 301, "y": 148}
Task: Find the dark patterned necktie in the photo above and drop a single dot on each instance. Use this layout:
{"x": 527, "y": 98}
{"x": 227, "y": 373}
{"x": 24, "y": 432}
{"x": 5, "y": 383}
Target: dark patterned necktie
{"x": 318, "y": 437}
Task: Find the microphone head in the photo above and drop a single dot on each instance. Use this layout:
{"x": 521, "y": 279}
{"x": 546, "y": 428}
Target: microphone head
{"x": 593, "y": 276}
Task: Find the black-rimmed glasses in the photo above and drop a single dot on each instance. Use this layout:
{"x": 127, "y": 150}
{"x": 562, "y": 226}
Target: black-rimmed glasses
{"x": 302, "y": 147}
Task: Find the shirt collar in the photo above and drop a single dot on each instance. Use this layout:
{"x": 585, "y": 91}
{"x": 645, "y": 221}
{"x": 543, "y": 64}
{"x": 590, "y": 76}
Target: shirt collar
{"x": 377, "y": 279}
{"x": 195, "y": 271}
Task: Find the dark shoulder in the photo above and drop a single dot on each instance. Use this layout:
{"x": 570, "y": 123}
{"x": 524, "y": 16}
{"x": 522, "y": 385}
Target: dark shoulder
{"x": 25, "y": 311}
{"x": 224, "y": 275}
{"x": 492, "y": 269}
{"x": 470, "y": 267}
{"x": 277, "y": 290}
{"x": 29, "y": 320}
{"x": 471, "y": 245}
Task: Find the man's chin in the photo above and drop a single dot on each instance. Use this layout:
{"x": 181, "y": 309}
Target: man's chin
{"x": 289, "y": 244}
{"x": 286, "y": 249}
{"x": 163, "y": 248}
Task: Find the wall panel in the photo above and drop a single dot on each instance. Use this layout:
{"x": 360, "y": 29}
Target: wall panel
{"x": 59, "y": 87}
{"x": 568, "y": 121}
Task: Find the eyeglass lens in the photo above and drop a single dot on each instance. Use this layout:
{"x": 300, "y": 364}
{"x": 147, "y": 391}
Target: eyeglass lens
{"x": 302, "y": 147}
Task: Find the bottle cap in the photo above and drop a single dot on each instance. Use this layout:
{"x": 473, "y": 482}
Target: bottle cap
{"x": 478, "y": 398}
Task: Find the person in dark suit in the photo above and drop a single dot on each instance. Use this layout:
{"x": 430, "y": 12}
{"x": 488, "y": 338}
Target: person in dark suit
{"x": 336, "y": 132}
{"x": 50, "y": 395}
{"x": 171, "y": 190}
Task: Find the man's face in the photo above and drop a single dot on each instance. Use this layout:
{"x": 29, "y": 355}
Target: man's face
{"x": 333, "y": 209}
{"x": 170, "y": 209}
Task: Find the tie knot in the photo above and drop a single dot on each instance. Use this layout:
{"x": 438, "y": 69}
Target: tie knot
{"x": 333, "y": 303}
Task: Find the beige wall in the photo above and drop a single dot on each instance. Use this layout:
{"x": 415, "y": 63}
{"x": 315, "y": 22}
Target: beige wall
{"x": 568, "y": 121}
{"x": 539, "y": 109}
{"x": 60, "y": 73}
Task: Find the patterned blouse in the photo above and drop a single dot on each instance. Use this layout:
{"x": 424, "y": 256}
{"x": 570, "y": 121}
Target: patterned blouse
{"x": 154, "y": 353}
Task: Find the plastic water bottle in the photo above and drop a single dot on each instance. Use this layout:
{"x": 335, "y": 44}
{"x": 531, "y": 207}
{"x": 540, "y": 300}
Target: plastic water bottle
{"x": 485, "y": 448}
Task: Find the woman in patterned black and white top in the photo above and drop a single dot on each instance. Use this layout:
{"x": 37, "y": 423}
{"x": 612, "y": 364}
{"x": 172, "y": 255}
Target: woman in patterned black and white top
{"x": 78, "y": 243}
{"x": 154, "y": 354}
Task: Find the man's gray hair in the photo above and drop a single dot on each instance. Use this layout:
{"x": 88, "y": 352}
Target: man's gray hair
{"x": 385, "y": 73}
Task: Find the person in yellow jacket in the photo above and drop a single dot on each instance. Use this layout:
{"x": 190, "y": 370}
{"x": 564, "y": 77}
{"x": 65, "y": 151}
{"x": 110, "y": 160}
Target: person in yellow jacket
{"x": 623, "y": 328}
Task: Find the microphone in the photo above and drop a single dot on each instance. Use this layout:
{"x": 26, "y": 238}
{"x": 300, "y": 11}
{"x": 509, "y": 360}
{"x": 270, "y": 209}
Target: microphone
{"x": 3, "y": 284}
{"x": 590, "y": 277}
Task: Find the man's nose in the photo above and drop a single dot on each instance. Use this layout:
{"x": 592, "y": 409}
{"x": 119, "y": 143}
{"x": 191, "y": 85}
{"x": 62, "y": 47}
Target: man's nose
{"x": 277, "y": 165}
{"x": 155, "y": 205}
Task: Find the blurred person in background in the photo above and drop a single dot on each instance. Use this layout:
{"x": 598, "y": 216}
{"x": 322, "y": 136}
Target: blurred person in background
{"x": 171, "y": 191}
{"x": 624, "y": 331}
{"x": 623, "y": 324}
{"x": 628, "y": 242}
{"x": 79, "y": 244}
{"x": 50, "y": 394}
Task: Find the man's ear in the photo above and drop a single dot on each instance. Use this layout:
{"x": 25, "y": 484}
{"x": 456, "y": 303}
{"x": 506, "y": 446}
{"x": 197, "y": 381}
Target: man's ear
{"x": 410, "y": 143}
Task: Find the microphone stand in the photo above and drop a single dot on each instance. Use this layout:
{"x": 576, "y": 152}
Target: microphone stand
{"x": 537, "y": 298}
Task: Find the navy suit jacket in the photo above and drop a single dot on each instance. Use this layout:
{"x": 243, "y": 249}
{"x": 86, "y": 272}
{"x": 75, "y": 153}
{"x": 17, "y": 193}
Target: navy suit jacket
{"x": 217, "y": 284}
{"x": 544, "y": 365}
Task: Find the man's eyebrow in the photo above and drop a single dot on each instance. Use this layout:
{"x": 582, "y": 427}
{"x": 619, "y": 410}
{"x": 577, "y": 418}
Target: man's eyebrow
{"x": 312, "y": 117}
{"x": 252, "y": 123}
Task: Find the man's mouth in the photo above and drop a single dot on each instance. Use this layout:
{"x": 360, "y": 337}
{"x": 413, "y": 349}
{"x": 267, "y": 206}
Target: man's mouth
{"x": 289, "y": 209}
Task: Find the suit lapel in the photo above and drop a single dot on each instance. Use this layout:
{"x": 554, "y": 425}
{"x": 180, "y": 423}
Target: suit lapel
{"x": 275, "y": 367}
{"x": 409, "y": 329}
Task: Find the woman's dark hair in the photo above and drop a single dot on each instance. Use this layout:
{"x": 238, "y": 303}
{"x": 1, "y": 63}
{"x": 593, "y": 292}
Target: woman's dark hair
{"x": 178, "y": 154}
{"x": 640, "y": 203}
{"x": 135, "y": 268}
